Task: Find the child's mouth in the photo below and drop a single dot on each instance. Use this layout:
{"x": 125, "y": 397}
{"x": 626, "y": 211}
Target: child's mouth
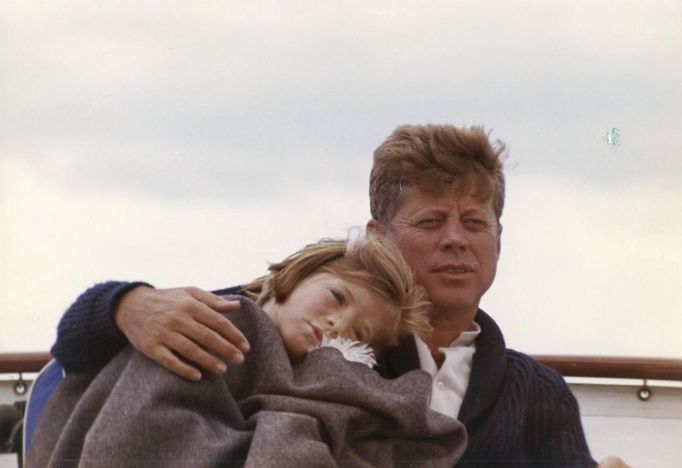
{"x": 317, "y": 332}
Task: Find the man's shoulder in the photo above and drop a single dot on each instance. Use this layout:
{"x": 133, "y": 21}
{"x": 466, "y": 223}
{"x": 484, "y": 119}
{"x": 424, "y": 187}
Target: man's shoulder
{"x": 517, "y": 365}
{"x": 535, "y": 374}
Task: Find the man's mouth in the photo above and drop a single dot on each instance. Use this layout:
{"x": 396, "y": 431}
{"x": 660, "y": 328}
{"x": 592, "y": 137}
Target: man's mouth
{"x": 454, "y": 269}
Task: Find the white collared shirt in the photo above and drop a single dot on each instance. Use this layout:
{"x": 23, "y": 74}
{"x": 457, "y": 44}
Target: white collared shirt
{"x": 450, "y": 382}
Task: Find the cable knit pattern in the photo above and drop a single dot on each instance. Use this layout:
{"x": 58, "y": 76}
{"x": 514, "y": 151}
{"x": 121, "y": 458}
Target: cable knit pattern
{"x": 517, "y": 412}
{"x": 533, "y": 422}
{"x": 87, "y": 336}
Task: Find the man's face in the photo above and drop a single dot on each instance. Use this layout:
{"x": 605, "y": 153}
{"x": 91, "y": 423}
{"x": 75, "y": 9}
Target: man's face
{"x": 452, "y": 243}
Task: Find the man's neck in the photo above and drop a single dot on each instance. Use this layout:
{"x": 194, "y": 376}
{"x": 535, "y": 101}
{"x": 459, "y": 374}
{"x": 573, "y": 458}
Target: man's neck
{"x": 446, "y": 328}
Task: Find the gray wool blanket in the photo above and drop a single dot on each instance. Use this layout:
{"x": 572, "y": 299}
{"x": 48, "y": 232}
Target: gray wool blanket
{"x": 323, "y": 411}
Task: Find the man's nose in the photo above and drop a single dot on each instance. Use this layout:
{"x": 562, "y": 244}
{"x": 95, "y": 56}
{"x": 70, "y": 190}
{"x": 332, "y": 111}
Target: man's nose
{"x": 453, "y": 235}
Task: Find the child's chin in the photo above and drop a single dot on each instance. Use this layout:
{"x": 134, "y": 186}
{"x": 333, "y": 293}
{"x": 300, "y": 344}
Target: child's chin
{"x": 295, "y": 355}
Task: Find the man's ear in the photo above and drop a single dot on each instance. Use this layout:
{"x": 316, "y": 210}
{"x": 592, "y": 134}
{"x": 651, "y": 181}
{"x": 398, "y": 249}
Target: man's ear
{"x": 376, "y": 228}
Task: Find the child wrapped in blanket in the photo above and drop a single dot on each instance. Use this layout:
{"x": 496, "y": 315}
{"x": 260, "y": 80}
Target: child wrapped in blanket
{"x": 295, "y": 401}
{"x": 360, "y": 292}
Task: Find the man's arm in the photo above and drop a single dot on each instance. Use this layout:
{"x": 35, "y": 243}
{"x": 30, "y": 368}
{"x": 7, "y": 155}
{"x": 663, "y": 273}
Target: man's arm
{"x": 555, "y": 433}
{"x": 564, "y": 431}
{"x": 87, "y": 336}
{"x": 170, "y": 326}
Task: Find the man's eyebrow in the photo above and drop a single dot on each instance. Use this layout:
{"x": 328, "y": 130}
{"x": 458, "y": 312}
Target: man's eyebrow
{"x": 476, "y": 209}
{"x": 429, "y": 210}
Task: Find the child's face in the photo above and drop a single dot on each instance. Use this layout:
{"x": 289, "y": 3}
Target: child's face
{"x": 326, "y": 304}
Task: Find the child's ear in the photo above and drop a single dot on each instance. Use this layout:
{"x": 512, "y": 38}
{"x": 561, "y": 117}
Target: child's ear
{"x": 376, "y": 228}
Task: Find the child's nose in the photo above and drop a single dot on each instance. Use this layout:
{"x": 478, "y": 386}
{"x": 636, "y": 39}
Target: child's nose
{"x": 334, "y": 319}
{"x": 336, "y": 326}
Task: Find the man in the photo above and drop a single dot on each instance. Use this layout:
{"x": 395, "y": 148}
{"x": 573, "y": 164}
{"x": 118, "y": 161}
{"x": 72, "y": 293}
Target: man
{"x": 438, "y": 193}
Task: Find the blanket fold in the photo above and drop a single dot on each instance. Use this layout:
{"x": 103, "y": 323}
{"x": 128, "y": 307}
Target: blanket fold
{"x": 323, "y": 411}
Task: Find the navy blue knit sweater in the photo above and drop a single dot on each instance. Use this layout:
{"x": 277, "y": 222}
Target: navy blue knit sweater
{"x": 517, "y": 412}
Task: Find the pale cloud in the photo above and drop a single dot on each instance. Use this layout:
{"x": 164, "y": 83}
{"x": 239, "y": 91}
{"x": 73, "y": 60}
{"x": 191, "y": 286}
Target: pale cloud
{"x": 127, "y": 91}
{"x": 138, "y": 140}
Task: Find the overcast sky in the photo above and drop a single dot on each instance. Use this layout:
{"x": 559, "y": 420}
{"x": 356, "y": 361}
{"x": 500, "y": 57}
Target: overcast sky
{"x": 188, "y": 143}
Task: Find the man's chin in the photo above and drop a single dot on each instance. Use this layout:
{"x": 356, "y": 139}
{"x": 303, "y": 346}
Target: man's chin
{"x": 455, "y": 306}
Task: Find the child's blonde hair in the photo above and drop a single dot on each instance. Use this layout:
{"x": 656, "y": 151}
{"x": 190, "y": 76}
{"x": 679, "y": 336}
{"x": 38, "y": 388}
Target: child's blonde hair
{"x": 371, "y": 262}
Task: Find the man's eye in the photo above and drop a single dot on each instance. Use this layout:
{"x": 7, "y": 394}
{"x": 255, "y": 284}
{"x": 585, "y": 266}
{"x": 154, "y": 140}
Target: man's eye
{"x": 338, "y": 297}
{"x": 476, "y": 223}
{"x": 429, "y": 222}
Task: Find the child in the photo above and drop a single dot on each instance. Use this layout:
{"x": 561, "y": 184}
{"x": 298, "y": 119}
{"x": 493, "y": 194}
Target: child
{"x": 361, "y": 291}
{"x": 281, "y": 406}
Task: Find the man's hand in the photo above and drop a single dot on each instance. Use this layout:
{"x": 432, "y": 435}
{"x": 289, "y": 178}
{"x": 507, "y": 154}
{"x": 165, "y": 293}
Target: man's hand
{"x": 613, "y": 462}
{"x": 186, "y": 321}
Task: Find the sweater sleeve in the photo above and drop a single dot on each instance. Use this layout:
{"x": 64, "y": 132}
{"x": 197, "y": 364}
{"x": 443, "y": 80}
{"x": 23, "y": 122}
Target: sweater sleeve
{"x": 87, "y": 336}
{"x": 557, "y": 434}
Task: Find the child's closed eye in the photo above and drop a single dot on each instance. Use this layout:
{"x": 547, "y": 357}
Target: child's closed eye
{"x": 338, "y": 296}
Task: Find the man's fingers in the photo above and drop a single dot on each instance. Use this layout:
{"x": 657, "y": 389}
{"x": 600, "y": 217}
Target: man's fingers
{"x": 224, "y": 328}
{"x": 186, "y": 321}
{"x": 170, "y": 361}
{"x": 195, "y": 353}
{"x": 217, "y": 303}
{"x": 209, "y": 339}
{"x": 216, "y": 322}
{"x": 613, "y": 462}
{"x": 214, "y": 332}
